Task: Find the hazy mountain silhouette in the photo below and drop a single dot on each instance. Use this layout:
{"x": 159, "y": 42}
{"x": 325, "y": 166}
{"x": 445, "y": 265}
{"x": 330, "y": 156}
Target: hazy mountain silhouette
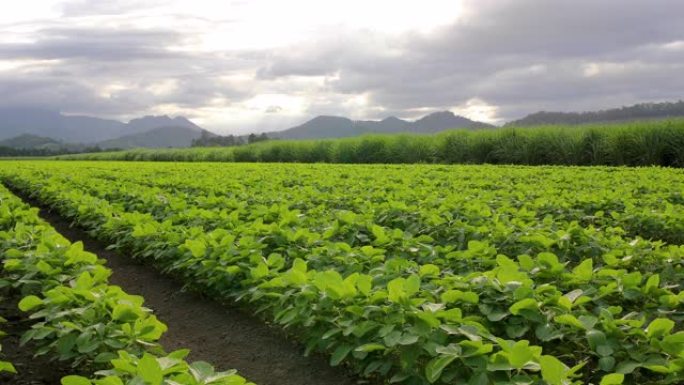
{"x": 77, "y": 129}
{"x": 172, "y": 136}
{"x": 636, "y": 112}
{"x": 31, "y": 128}
{"x": 29, "y": 141}
{"x": 339, "y": 127}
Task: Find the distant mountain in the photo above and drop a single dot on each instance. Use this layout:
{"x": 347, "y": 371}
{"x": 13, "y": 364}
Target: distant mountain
{"x": 440, "y": 121}
{"x": 33, "y": 145}
{"x": 173, "y": 136}
{"x": 339, "y": 127}
{"x": 321, "y": 127}
{"x": 77, "y": 129}
{"x": 28, "y": 141}
{"x": 635, "y": 112}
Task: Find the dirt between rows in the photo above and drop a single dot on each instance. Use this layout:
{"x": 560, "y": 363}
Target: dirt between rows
{"x": 223, "y": 335}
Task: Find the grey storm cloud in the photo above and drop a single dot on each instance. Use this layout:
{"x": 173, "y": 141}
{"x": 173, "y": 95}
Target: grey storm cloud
{"x": 82, "y": 60}
{"x": 519, "y": 56}
{"x": 96, "y": 44}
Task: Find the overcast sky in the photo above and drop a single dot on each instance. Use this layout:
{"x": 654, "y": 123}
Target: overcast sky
{"x": 258, "y": 65}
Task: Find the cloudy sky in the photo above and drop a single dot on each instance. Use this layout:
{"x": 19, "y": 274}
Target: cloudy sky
{"x": 257, "y": 65}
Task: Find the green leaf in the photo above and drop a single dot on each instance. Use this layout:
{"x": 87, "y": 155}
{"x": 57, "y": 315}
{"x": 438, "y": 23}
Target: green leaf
{"x": 408, "y": 339}
{"x": 124, "y": 312}
{"x": 66, "y": 343}
{"x": 450, "y": 296}
{"x": 612, "y": 379}
{"x": 429, "y": 269}
{"x": 606, "y": 364}
{"x": 339, "y": 354}
{"x": 380, "y": 235}
{"x": 627, "y": 367}
{"x": 434, "y": 368}
{"x": 553, "y": 371}
{"x": 659, "y": 327}
{"x": 521, "y": 354}
{"x": 604, "y": 350}
{"x": 150, "y": 370}
{"x": 197, "y": 247}
{"x": 260, "y": 271}
{"x": 596, "y": 338}
{"x": 470, "y": 297}
{"x": 370, "y": 347}
{"x": 202, "y": 371}
{"x": 29, "y": 302}
{"x": 652, "y": 283}
{"x": 569, "y": 319}
{"x": 454, "y": 349}
{"x": 7, "y": 367}
{"x": 392, "y": 338}
{"x": 479, "y": 379}
{"x": 364, "y": 283}
{"x": 412, "y": 285}
{"x": 75, "y": 380}
{"x": 546, "y": 332}
{"x": 527, "y": 303}
{"x": 583, "y": 271}
{"x": 395, "y": 289}
{"x": 673, "y": 344}
{"x": 299, "y": 265}
{"x": 104, "y": 357}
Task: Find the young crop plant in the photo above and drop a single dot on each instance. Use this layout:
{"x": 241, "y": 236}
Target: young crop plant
{"x": 171, "y": 369}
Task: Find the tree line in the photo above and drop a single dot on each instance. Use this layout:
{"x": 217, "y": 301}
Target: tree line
{"x": 210, "y": 140}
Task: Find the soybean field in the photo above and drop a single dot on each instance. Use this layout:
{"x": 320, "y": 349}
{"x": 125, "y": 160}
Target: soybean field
{"x": 406, "y": 274}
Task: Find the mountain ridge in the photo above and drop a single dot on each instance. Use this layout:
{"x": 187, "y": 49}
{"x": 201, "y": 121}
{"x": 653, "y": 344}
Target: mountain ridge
{"x": 165, "y": 136}
{"x": 326, "y": 126}
{"x": 78, "y": 128}
{"x": 26, "y": 127}
{"x": 29, "y": 141}
{"x": 638, "y": 111}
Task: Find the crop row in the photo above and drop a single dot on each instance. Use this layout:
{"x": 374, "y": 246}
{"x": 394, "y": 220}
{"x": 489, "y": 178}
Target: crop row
{"x": 648, "y": 204}
{"x": 78, "y": 318}
{"x": 570, "y": 301}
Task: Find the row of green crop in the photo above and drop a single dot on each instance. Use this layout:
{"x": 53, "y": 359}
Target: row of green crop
{"x": 648, "y": 204}
{"x": 518, "y": 229}
{"x": 397, "y": 305}
{"x": 78, "y": 317}
{"x": 633, "y": 144}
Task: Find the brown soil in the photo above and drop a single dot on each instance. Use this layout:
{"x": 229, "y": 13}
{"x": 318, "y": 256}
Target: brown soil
{"x": 31, "y": 370}
{"x": 224, "y": 335}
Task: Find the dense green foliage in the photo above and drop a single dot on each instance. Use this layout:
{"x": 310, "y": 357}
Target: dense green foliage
{"x": 213, "y": 140}
{"x": 414, "y": 274}
{"x": 633, "y": 144}
{"x": 78, "y": 317}
{"x": 39, "y": 152}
